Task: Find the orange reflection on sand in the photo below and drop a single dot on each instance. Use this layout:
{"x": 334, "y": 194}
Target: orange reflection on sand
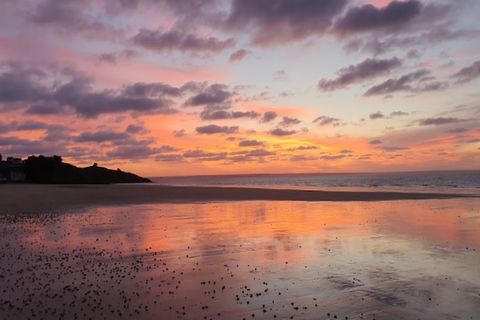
{"x": 169, "y": 226}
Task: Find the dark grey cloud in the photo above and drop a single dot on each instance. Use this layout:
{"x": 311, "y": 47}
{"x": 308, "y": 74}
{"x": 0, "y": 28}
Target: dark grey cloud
{"x": 205, "y": 156}
{"x": 107, "y": 57}
{"x": 169, "y": 158}
{"x": 393, "y": 148}
{"x": 114, "y": 7}
{"x": 469, "y": 73}
{"x": 439, "y": 121}
{"x": 259, "y": 153}
{"x": 188, "y": 14}
{"x": 129, "y": 147}
{"x": 187, "y": 6}
{"x": 250, "y": 143}
{"x": 380, "y": 45}
{"x": 59, "y": 140}
{"x": 281, "y": 132}
{"x": 90, "y": 15}
{"x": 133, "y": 150}
{"x": 413, "y": 54}
{"x": 418, "y": 81}
{"x": 133, "y": 129}
{"x": 333, "y": 157}
{"x": 14, "y": 146}
{"x": 364, "y": 157}
{"x": 31, "y": 125}
{"x": 214, "y": 129}
{"x": 250, "y": 155}
{"x": 297, "y": 19}
{"x": 302, "y": 157}
{"x": 192, "y": 13}
{"x": 194, "y": 86}
{"x": 209, "y": 114}
{"x": 288, "y": 122}
{"x": 240, "y": 158}
{"x": 368, "y": 17}
{"x": 72, "y": 17}
{"x": 75, "y": 92}
{"x": 374, "y": 142}
{"x": 45, "y": 109}
{"x": 165, "y": 148}
{"x": 239, "y": 55}
{"x": 376, "y": 115}
{"x": 20, "y": 83}
{"x": 414, "y": 32}
{"x": 29, "y": 86}
{"x": 8, "y": 127}
{"x": 172, "y": 40}
{"x": 114, "y": 58}
{"x": 54, "y": 10}
{"x": 54, "y": 140}
{"x": 269, "y": 116}
{"x": 458, "y": 130}
{"x": 10, "y": 140}
{"x": 63, "y": 13}
{"x": 367, "y": 69}
{"x": 215, "y": 94}
{"x": 326, "y": 120}
{"x": 78, "y": 95}
{"x": 101, "y": 136}
{"x": 179, "y": 133}
{"x": 125, "y": 145}
{"x": 158, "y": 89}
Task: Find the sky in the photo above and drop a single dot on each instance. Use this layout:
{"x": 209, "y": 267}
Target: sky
{"x": 193, "y": 87}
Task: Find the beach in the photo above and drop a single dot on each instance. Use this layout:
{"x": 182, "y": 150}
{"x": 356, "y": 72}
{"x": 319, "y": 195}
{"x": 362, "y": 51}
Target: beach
{"x": 82, "y": 252}
{"x": 31, "y": 198}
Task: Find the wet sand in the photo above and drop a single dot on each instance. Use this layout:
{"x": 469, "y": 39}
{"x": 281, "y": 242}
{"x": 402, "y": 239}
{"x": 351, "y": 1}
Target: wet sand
{"x": 410, "y": 259}
{"x": 33, "y": 198}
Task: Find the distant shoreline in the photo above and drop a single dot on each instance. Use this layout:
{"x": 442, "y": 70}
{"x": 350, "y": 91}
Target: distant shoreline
{"x": 309, "y": 174}
{"x": 32, "y": 198}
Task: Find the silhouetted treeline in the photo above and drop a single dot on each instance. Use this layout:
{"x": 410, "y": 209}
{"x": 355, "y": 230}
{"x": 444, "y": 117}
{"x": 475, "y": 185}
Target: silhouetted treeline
{"x": 52, "y": 170}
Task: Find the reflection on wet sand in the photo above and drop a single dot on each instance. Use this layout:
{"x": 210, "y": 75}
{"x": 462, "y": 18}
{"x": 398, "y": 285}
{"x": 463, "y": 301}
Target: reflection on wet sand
{"x": 245, "y": 260}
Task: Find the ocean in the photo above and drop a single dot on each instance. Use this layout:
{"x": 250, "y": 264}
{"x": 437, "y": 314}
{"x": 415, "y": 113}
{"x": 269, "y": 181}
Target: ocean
{"x": 439, "y": 181}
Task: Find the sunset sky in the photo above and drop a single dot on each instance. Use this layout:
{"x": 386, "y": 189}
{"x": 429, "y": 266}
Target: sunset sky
{"x": 186, "y": 87}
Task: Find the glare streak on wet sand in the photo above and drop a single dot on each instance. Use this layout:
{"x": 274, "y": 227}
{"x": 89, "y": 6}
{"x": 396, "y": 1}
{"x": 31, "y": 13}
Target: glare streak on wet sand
{"x": 416, "y": 259}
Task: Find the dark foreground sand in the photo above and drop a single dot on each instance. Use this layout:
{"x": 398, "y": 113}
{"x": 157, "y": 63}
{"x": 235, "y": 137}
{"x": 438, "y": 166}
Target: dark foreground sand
{"x": 26, "y": 198}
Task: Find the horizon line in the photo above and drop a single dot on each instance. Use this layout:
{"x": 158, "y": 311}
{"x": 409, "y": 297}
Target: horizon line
{"x": 309, "y": 173}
